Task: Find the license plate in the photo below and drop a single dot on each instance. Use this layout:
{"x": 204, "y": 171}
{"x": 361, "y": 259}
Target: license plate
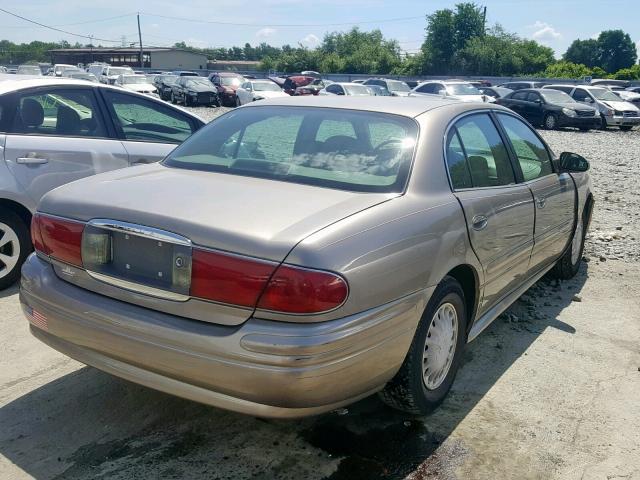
{"x": 137, "y": 256}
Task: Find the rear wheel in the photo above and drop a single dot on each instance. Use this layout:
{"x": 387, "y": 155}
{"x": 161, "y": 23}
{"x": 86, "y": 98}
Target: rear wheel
{"x": 432, "y": 362}
{"x": 626, "y": 128}
{"x": 550, "y": 121}
{"x": 15, "y": 246}
{"x": 238, "y": 102}
{"x": 603, "y": 122}
{"x": 173, "y": 98}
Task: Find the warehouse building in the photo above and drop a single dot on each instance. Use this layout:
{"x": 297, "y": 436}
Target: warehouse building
{"x": 154, "y": 57}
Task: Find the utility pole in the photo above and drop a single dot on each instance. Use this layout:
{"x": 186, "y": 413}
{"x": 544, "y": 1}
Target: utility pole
{"x": 484, "y": 21}
{"x": 140, "y": 39}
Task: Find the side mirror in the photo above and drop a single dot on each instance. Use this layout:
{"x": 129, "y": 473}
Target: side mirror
{"x": 572, "y": 162}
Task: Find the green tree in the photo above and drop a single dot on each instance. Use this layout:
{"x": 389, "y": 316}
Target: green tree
{"x": 617, "y": 50}
{"x": 438, "y": 48}
{"x": 468, "y": 23}
{"x": 565, "y": 69}
{"x": 585, "y": 52}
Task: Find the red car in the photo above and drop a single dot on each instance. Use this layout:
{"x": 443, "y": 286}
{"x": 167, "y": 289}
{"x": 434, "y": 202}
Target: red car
{"x": 226, "y": 84}
{"x": 291, "y": 83}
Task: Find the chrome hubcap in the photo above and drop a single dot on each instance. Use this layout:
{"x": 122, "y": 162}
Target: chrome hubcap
{"x": 440, "y": 346}
{"x": 9, "y": 249}
{"x": 577, "y": 241}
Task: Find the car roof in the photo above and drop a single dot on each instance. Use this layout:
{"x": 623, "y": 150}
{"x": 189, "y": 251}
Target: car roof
{"x": 404, "y": 106}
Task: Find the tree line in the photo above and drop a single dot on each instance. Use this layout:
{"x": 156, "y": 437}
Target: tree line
{"x": 457, "y": 42}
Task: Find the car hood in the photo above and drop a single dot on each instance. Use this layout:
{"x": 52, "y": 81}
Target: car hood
{"x": 201, "y": 88}
{"x": 270, "y": 94}
{"x": 575, "y": 106}
{"x": 468, "y": 98}
{"x": 250, "y": 216}
{"x": 621, "y": 105}
{"x": 140, "y": 87}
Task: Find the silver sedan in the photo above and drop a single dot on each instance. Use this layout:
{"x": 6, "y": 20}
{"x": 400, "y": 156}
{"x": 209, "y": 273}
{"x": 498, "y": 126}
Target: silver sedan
{"x": 298, "y": 254}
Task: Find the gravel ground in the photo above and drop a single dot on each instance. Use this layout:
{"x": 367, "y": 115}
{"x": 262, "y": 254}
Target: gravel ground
{"x": 551, "y": 390}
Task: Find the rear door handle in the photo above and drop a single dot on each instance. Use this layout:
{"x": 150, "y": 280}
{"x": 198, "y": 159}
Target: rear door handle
{"x": 479, "y": 222}
{"x": 541, "y": 201}
{"x": 32, "y": 160}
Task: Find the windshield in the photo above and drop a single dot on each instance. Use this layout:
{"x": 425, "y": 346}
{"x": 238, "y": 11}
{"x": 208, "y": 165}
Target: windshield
{"x": 357, "y": 90}
{"x": 266, "y": 87}
{"x": 333, "y": 148}
{"x": 556, "y": 96}
{"x": 134, "y": 80}
{"x": 119, "y": 71}
{"x": 199, "y": 81}
{"x": 232, "y": 81}
{"x": 462, "y": 89}
{"x": 168, "y": 79}
{"x": 397, "y": 86}
{"x": 604, "y": 94}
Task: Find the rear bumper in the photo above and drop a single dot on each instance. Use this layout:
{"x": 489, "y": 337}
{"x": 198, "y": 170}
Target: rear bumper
{"x": 263, "y": 368}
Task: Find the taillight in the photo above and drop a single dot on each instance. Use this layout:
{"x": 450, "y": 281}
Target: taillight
{"x": 299, "y": 290}
{"x": 58, "y": 238}
{"x": 228, "y": 278}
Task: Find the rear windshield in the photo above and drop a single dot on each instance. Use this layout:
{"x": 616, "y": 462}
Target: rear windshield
{"x": 333, "y": 148}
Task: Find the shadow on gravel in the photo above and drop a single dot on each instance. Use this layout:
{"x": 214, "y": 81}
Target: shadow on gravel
{"x": 88, "y": 424}
{"x": 7, "y": 292}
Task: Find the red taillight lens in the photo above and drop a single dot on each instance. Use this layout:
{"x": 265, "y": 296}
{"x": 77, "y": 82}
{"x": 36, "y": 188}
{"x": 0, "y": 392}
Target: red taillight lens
{"x": 60, "y": 239}
{"x": 228, "y": 278}
{"x": 298, "y": 290}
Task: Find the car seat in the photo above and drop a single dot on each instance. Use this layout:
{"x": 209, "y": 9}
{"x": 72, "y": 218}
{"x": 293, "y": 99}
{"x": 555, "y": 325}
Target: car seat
{"x": 68, "y": 121}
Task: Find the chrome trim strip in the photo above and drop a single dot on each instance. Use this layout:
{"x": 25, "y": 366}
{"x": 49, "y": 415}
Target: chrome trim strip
{"x": 139, "y": 288}
{"x": 140, "y": 231}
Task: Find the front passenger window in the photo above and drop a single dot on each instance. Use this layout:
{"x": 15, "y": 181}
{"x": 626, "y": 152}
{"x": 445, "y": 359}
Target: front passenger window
{"x": 532, "y": 155}
{"x": 486, "y": 153}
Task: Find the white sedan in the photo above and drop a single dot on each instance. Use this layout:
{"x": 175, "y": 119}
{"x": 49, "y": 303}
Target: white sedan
{"x": 253, "y": 90}
{"x": 345, "y": 88}
{"x": 453, "y": 89}
{"x": 137, "y": 83}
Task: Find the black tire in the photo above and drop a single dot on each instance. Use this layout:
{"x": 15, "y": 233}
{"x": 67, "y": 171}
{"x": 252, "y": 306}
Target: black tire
{"x": 173, "y": 98}
{"x": 187, "y": 102}
{"x": 407, "y": 391}
{"x": 11, "y": 223}
{"x": 238, "y": 102}
{"x": 568, "y": 265}
{"x": 550, "y": 121}
{"x": 603, "y": 122}
{"x": 626, "y": 128}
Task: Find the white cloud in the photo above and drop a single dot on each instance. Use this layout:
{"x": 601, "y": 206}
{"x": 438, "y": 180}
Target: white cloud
{"x": 265, "y": 32}
{"x": 311, "y": 40}
{"x": 544, "y": 32}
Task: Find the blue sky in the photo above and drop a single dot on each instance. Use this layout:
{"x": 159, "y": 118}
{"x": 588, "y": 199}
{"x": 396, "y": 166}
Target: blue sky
{"x": 552, "y": 22}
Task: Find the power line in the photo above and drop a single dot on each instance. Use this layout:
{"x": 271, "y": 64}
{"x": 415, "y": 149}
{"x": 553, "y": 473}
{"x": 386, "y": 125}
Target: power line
{"x": 215, "y": 22}
{"x": 56, "y": 29}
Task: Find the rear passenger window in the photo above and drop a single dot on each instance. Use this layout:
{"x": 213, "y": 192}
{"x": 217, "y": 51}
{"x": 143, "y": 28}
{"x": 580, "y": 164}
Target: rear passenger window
{"x": 532, "y": 155}
{"x": 485, "y": 152}
{"x": 71, "y": 113}
{"x": 519, "y": 96}
{"x": 148, "y": 121}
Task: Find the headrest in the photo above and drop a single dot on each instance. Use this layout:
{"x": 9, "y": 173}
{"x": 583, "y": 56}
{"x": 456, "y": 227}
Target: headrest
{"x": 31, "y": 112}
